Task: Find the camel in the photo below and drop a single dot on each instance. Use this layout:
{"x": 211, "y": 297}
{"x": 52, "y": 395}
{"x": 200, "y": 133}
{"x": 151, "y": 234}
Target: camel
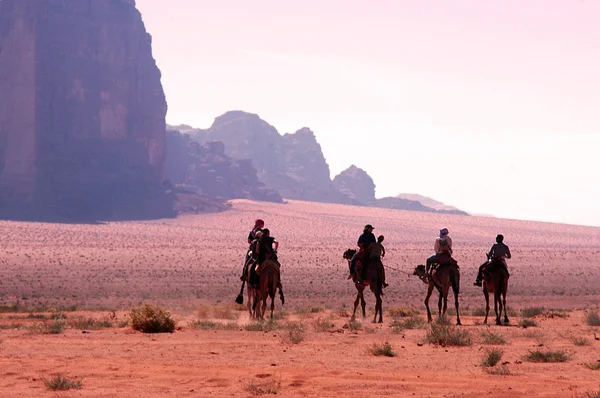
{"x": 442, "y": 278}
{"x": 269, "y": 282}
{"x": 374, "y": 280}
{"x": 495, "y": 280}
{"x": 251, "y": 290}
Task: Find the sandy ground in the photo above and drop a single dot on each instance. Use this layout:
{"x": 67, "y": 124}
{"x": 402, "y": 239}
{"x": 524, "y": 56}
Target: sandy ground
{"x": 195, "y": 260}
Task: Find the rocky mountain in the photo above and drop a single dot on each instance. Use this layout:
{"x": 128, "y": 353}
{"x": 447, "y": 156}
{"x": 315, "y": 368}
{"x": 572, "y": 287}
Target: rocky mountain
{"x": 292, "y": 164}
{"x": 207, "y": 170}
{"x": 429, "y": 202}
{"x": 355, "y": 183}
{"x": 82, "y": 112}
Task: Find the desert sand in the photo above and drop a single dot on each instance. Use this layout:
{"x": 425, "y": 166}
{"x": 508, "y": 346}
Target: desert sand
{"x": 192, "y": 264}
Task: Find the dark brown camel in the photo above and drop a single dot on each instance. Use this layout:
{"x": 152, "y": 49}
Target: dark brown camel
{"x": 495, "y": 280}
{"x": 269, "y": 282}
{"x": 442, "y": 278}
{"x": 374, "y": 280}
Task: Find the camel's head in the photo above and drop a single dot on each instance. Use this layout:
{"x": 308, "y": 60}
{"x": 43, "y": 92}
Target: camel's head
{"x": 419, "y": 271}
{"x": 348, "y": 254}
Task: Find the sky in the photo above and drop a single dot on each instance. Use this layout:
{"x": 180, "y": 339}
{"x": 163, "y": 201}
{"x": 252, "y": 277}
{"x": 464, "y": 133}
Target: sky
{"x": 491, "y": 106}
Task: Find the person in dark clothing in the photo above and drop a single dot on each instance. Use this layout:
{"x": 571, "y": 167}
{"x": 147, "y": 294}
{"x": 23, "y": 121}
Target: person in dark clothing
{"x": 258, "y": 226}
{"x": 364, "y": 241}
{"x": 267, "y": 250}
{"x": 499, "y": 252}
{"x": 376, "y": 253}
{"x": 252, "y": 236}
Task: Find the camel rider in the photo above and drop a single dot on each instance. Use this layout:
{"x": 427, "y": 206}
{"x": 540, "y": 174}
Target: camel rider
{"x": 364, "y": 242}
{"x": 442, "y": 248}
{"x": 267, "y": 250}
{"x": 499, "y": 252}
{"x": 377, "y": 252}
{"x": 252, "y": 236}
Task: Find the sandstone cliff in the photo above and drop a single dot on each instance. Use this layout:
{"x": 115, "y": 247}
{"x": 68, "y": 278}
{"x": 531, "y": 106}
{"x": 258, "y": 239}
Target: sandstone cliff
{"x": 207, "y": 170}
{"x": 82, "y": 112}
{"x": 355, "y": 183}
{"x": 292, "y": 164}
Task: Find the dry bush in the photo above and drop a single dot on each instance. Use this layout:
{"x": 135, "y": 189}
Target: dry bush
{"x": 581, "y": 341}
{"x": 531, "y": 312}
{"x": 204, "y": 325}
{"x": 269, "y": 387}
{"x": 54, "y": 327}
{"x": 478, "y": 312}
{"x": 527, "y": 323}
{"x": 591, "y": 394}
{"x": 593, "y": 366}
{"x": 593, "y": 318}
{"x": 492, "y": 357}
{"x": 546, "y": 356}
{"x": 262, "y": 326}
{"x": 62, "y": 383}
{"x": 447, "y": 335}
{"x": 384, "y": 349}
{"x": 501, "y": 370}
{"x": 354, "y": 326}
{"x": 402, "y": 312}
{"x": 492, "y": 338}
{"x": 90, "y": 324}
{"x": 295, "y": 332}
{"x": 323, "y": 324}
{"x": 151, "y": 319}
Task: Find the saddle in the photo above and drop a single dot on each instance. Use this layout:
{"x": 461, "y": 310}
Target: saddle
{"x": 491, "y": 264}
{"x": 444, "y": 260}
{"x": 268, "y": 264}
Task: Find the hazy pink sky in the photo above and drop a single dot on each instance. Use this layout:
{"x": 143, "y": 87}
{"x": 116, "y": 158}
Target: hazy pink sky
{"x": 492, "y": 106}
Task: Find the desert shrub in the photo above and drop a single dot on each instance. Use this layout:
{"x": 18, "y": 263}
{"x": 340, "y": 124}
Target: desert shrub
{"x": 323, "y": 324}
{"x": 478, "y": 312}
{"x": 262, "y": 326}
{"x": 546, "y": 356}
{"x": 581, "y": 341}
{"x": 204, "y": 325}
{"x": 11, "y": 326}
{"x": 492, "y": 357}
{"x": 354, "y": 326}
{"x": 501, "y": 370}
{"x": 295, "y": 332}
{"x": 270, "y": 387}
{"x": 593, "y": 366}
{"x": 62, "y": 383}
{"x": 343, "y": 313}
{"x": 402, "y": 312}
{"x": 58, "y": 315}
{"x": 54, "y": 327}
{"x": 557, "y": 314}
{"x": 36, "y": 316}
{"x": 447, "y": 335}
{"x": 384, "y": 349}
{"x": 492, "y": 338}
{"x": 593, "y": 318}
{"x": 90, "y": 324}
{"x": 591, "y": 394}
{"x": 443, "y": 320}
{"x": 151, "y": 319}
{"x": 531, "y": 312}
{"x": 527, "y": 323}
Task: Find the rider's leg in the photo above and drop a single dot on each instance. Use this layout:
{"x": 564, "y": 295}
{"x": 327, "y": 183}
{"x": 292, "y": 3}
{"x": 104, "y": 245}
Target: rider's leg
{"x": 383, "y": 274}
{"x": 479, "y": 275}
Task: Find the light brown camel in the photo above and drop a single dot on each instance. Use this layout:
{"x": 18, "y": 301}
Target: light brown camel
{"x": 495, "y": 280}
{"x": 442, "y": 278}
{"x": 374, "y": 279}
{"x": 269, "y": 282}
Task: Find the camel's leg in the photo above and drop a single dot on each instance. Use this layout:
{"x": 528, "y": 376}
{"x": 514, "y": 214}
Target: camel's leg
{"x": 487, "y": 304}
{"x": 498, "y": 322}
{"x": 496, "y": 307}
{"x": 440, "y": 301}
{"x": 456, "y": 306}
{"x": 363, "y": 304}
{"x": 445, "y": 292}
{"x": 249, "y": 303}
{"x": 504, "y": 303}
{"x": 272, "y": 305}
{"x": 429, "y": 291}
{"x": 355, "y": 306}
{"x": 379, "y": 307}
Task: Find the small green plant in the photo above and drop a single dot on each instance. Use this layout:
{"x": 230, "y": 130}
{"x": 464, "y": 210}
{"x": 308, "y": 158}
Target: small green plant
{"x": 54, "y": 327}
{"x": 447, "y": 335}
{"x": 581, "y": 341}
{"x": 492, "y": 357}
{"x": 58, "y": 315}
{"x": 204, "y": 325}
{"x": 527, "y": 323}
{"x": 546, "y": 356}
{"x": 384, "y": 349}
{"x": 295, "y": 332}
{"x": 323, "y": 324}
{"x": 403, "y": 312}
{"x": 151, "y": 319}
{"x": 593, "y": 366}
{"x": 36, "y": 316}
{"x": 90, "y": 324}
{"x": 492, "y": 338}
{"x": 593, "y": 318}
{"x": 62, "y": 383}
{"x": 532, "y": 312}
{"x": 262, "y": 326}
{"x": 355, "y": 326}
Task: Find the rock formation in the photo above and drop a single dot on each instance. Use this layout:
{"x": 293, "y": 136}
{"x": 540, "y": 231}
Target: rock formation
{"x": 434, "y": 204}
{"x": 207, "y": 170}
{"x": 355, "y": 183}
{"x": 82, "y": 112}
{"x": 292, "y": 164}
